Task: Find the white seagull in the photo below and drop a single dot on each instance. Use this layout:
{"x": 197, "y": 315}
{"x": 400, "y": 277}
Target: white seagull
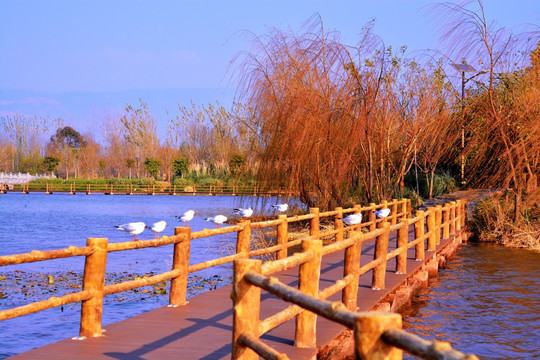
{"x": 186, "y": 217}
{"x": 134, "y": 228}
{"x": 382, "y": 213}
{"x": 218, "y": 219}
{"x": 244, "y": 212}
{"x": 352, "y": 219}
{"x": 281, "y": 207}
{"x": 157, "y": 227}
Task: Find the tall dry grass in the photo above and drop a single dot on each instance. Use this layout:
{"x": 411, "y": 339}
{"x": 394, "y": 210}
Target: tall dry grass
{"x": 493, "y": 221}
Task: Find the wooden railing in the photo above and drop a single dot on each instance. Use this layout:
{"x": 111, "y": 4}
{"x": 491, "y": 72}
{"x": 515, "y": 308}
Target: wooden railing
{"x": 377, "y": 335}
{"x": 131, "y": 189}
{"x": 448, "y": 219}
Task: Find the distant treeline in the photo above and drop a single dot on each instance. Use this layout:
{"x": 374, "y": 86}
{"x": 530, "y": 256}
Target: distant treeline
{"x": 339, "y": 124}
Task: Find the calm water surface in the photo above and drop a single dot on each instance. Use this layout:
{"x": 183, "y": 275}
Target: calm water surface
{"x": 46, "y": 222}
{"x": 487, "y": 301}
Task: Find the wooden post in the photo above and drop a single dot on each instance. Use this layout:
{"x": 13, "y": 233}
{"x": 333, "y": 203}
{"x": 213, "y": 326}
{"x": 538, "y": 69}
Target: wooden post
{"x": 394, "y": 211}
{"x": 446, "y": 221}
{"x": 432, "y": 240}
{"x": 372, "y": 217}
{"x": 93, "y": 281}
{"x": 404, "y": 208}
{"x": 243, "y": 238}
{"x": 282, "y": 237}
{"x": 338, "y": 224}
{"x": 464, "y": 211}
{"x": 419, "y": 233}
{"x": 368, "y": 330}
{"x": 458, "y": 215}
{"x": 308, "y": 283}
{"x": 177, "y": 295}
{"x": 381, "y": 249}
{"x": 349, "y": 295}
{"x": 452, "y": 217}
{"x": 357, "y": 210}
{"x": 314, "y": 229}
{"x": 246, "y": 307}
{"x": 402, "y": 239}
{"x": 409, "y": 208}
{"x": 438, "y": 221}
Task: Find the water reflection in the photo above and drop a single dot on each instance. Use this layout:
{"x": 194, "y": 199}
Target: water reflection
{"x": 487, "y": 302}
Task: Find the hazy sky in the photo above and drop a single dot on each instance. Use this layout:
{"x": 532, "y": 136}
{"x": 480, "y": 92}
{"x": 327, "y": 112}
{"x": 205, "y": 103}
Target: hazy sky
{"x": 55, "y": 46}
{"x": 116, "y": 45}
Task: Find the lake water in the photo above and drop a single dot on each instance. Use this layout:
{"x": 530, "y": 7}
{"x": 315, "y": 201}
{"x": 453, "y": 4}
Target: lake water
{"x": 47, "y": 222}
{"x": 486, "y": 302}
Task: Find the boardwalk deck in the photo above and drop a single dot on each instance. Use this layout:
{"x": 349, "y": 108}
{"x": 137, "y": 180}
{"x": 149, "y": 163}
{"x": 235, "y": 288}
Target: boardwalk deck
{"x": 203, "y": 328}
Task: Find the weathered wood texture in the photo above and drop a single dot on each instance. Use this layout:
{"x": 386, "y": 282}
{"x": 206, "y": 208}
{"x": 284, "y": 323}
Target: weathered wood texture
{"x": 91, "y": 319}
{"x": 203, "y": 328}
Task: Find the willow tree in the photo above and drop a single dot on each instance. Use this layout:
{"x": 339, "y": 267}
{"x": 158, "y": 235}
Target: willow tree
{"x": 337, "y": 123}
{"x": 501, "y": 114}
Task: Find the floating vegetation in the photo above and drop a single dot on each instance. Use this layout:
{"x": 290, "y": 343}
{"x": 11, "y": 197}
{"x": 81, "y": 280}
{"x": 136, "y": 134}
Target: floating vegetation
{"x": 21, "y": 287}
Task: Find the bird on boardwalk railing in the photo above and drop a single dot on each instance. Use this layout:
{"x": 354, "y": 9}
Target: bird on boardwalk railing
{"x": 134, "y": 228}
{"x": 186, "y": 217}
{"x": 245, "y": 213}
{"x": 218, "y": 219}
{"x": 352, "y": 219}
{"x": 382, "y": 213}
{"x": 158, "y": 227}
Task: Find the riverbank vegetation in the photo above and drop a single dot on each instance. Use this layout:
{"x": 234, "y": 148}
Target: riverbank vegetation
{"x": 336, "y": 123}
{"x": 493, "y": 221}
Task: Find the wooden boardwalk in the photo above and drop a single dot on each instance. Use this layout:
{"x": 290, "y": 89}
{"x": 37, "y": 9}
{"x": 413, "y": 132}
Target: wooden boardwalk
{"x": 202, "y": 329}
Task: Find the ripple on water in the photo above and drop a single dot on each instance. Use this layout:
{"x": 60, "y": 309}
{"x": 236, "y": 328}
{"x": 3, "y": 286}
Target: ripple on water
{"x": 486, "y": 302}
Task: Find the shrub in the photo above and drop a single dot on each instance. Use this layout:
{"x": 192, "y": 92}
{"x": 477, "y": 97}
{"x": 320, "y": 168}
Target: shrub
{"x": 493, "y": 221}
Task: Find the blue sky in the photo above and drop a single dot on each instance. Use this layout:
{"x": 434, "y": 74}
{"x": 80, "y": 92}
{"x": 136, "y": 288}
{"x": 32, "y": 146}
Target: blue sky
{"x": 51, "y": 47}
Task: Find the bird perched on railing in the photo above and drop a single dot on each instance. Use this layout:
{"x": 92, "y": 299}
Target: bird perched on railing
{"x": 245, "y": 213}
{"x": 382, "y": 213}
{"x": 158, "y": 227}
{"x": 352, "y": 219}
{"x": 281, "y": 207}
{"x": 218, "y": 219}
{"x": 186, "y": 217}
{"x": 134, "y": 228}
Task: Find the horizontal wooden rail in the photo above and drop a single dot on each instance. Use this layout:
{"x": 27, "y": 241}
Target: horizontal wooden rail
{"x": 377, "y": 335}
{"x": 37, "y": 255}
{"x": 335, "y": 311}
{"x": 132, "y": 245}
{"x": 50, "y": 303}
{"x": 145, "y": 281}
{"x": 273, "y": 267}
{"x": 267, "y": 352}
{"x": 425, "y": 349}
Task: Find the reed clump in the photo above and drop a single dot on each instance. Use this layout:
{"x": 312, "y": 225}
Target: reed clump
{"x": 493, "y": 221}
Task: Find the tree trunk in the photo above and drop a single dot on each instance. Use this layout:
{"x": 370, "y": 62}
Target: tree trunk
{"x": 517, "y": 205}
